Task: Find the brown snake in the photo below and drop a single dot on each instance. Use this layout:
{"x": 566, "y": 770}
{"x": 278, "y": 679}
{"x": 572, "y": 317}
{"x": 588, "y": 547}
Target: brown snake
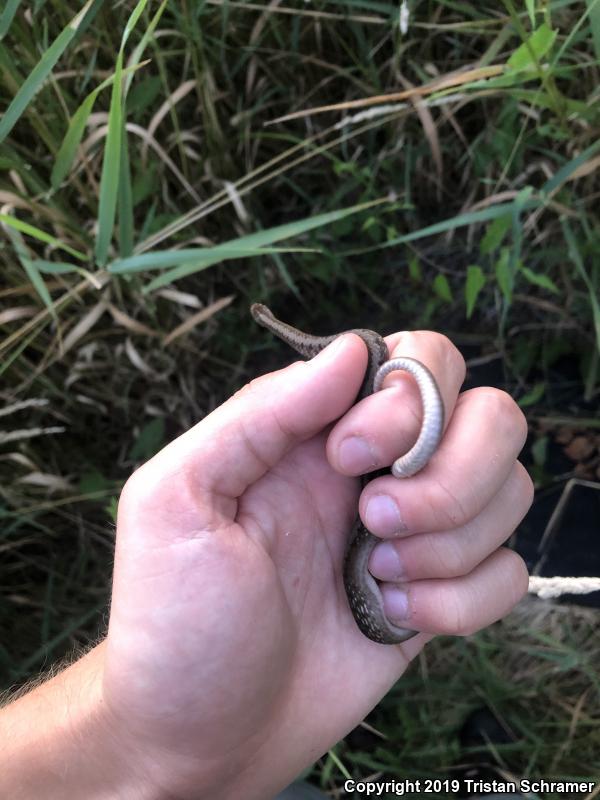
{"x": 364, "y": 595}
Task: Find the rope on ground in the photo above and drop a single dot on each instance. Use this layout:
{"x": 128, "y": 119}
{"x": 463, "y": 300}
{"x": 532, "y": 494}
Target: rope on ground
{"x": 554, "y": 587}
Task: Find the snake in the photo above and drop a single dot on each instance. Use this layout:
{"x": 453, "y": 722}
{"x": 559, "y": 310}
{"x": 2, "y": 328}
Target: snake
{"x": 362, "y": 589}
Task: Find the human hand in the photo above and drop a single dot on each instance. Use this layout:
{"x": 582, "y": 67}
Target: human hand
{"x": 232, "y": 660}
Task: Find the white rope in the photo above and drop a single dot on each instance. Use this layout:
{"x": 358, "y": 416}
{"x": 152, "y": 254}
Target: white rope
{"x": 554, "y": 587}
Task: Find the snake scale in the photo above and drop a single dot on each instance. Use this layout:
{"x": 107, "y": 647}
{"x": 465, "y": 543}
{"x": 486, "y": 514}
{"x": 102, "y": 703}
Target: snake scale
{"x": 362, "y": 590}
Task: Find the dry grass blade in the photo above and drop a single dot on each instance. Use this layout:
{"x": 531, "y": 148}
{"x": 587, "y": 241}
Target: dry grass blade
{"x": 136, "y": 359}
{"x": 429, "y": 128}
{"x": 96, "y": 282}
{"x": 168, "y": 105}
{"x": 42, "y": 210}
{"x": 29, "y": 433}
{"x": 85, "y": 324}
{"x": 123, "y": 319}
{"x": 512, "y": 194}
{"x": 255, "y": 35}
{"x": 304, "y": 12}
{"x": 237, "y": 202}
{"x": 198, "y": 319}
{"x": 22, "y": 404}
{"x": 17, "y": 312}
{"x": 181, "y": 298}
{"x": 438, "y": 85}
{"x": 585, "y": 169}
{"x": 150, "y": 141}
{"x": 53, "y": 483}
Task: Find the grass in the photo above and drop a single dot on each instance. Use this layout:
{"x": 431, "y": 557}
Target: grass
{"x": 148, "y": 196}
{"x": 535, "y": 675}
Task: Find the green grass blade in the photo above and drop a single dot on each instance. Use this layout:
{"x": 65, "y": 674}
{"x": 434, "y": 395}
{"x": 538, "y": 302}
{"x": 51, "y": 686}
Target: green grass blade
{"x": 54, "y": 267}
{"x": 594, "y": 13}
{"x": 540, "y": 99}
{"x": 109, "y": 182}
{"x": 197, "y": 266}
{"x": 32, "y": 273}
{"x": 125, "y": 200}
{"x": 575, "y": 256}
{"x": 474, "y": 283}
{"x": 143, "y": 43}
{"x": 517, "y": 230}
{"x": 39, "y": 234}
{"x": 569, "y": 168}
{"x": 66, "y": 153}
{"x": 529, "y": 54}
{"x": 40, "y": 72}
{"x": 10, "y": 9}
{"x": 68, "y": 148}
{"x": 291, "y": 229}
{"x": 460, "y": 221}
{"x": 530, "y": 6}
{"x": 252, "y": 244}
{"x": 132, "y": 21}
{"x": 199, "y": 255}
{"x": 255, "y": 241}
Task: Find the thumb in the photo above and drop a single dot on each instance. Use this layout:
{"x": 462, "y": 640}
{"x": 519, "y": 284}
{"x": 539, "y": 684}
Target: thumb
{"x": 208, "y": 467}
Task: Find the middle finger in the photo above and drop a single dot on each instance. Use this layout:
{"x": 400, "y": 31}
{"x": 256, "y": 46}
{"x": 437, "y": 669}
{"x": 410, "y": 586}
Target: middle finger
{"x": 475, "y": 457}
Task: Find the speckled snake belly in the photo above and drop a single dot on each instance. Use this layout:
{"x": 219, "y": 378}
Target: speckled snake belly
{"x": 363, "y": 592}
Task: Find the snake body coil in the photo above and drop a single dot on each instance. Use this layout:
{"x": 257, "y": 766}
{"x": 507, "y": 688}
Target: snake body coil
{"x": 362, "y": 590}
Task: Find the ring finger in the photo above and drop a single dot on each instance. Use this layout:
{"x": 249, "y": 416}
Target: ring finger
{"x": 451, "y": 553}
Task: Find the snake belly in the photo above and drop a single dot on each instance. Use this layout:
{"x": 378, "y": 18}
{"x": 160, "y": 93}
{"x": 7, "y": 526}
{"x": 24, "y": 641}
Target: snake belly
{"x": 362, "y": 590}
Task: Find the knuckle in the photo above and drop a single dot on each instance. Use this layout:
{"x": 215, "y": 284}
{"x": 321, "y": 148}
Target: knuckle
{"x": 454, "y": 559}
{"x": 249, "y": 389}
{"x": 517, "y": 572}
{"x": 498, "y": 401}
{"x": 453, "y": 619}
{"x": 503, "y": 413}
{"x": 139, "y": 485}
{"x": 446, "y": 506}
{"x": 136, "y": 482}
{"x": 448, "y": 354}
{"x": 527, "y": 484}
{"x": 453, "y": 358}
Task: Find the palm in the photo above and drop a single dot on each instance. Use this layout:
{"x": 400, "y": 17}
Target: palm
{"x": 260, "y": 599}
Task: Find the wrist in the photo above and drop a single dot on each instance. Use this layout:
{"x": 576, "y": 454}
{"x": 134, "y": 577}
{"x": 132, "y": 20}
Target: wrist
{"x": 57, "y": 741}
{"x": 63, "y": 739}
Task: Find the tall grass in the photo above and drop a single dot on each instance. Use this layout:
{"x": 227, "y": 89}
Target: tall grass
{"x": 165, "y": 164}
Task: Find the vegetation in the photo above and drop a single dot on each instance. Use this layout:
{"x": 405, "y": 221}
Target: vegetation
{"x": 149, "y": 194}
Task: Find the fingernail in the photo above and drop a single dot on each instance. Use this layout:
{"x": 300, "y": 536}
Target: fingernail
{"x": 395, "y": 603}
{"x": 385, "y": 562}
{"x": 355, "y": 455}
{"x": 331, "y": 351}
{"x": 382, "y": 516}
